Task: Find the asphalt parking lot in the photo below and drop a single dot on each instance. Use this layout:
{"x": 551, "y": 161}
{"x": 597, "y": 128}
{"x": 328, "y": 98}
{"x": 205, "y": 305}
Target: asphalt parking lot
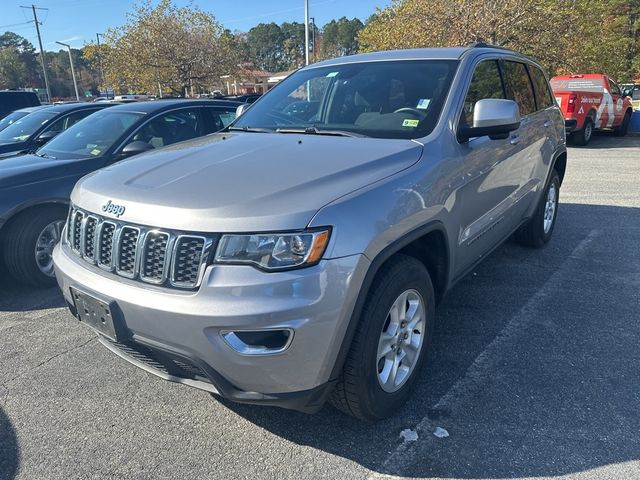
{"x": 534, "y": 373}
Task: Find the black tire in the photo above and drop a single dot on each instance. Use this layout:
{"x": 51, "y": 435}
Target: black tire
{"x": 358, "y": 391}
{"x": 532, "y": 233}
{"x": 583, "y": 136}
{"x": 19, "y": 244}
{"x": 622, "y": 130}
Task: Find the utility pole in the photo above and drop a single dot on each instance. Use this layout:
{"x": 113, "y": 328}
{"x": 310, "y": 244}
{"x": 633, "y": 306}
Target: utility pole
{"x": 100, "y": 63}
{"x": 44, "y": 69}
{"x": 306, "y": 32}
{"x": 73, "y": 72}
{"x": 313, "y": 39}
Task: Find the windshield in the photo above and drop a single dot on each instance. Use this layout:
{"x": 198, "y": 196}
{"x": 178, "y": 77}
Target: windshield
{"x": 393, "y": 99}
{"x": 12, "y": 117}
{"x": 23, "y": 128}
{"x": 92, "y": 136}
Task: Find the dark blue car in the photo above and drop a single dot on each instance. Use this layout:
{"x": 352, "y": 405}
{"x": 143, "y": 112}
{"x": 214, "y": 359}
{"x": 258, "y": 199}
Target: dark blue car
{"x": 13, "y": 117}
{"x": 35, "y": 188}
{"x": 32, "y": 131}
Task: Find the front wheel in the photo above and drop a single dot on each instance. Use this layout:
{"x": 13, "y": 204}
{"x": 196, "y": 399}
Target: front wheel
{"x": 390, "y": 343}
{"x": 28, "y": 245}
{"x": 537, "y": 231}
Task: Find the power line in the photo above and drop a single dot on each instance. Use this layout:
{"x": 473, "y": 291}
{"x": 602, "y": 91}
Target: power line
{"x": 44, "y": 69}
{"x": 16, "y": 24}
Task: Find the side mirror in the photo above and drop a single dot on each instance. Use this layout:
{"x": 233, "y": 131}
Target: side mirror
{"x": 44, "y": 137}
{"x": 494, "y": 117}
{"x": 242, "y": 108}
{"x": 134, "y": 148}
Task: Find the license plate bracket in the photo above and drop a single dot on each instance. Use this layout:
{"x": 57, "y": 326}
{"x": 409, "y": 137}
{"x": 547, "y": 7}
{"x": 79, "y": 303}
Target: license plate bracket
{"x": 101, "y": 315}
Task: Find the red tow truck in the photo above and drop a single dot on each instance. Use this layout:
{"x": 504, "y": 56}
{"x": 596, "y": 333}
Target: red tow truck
{"x": 591, "y": 101}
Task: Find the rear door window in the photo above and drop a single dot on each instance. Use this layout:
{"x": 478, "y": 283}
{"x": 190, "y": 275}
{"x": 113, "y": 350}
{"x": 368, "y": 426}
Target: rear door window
{"x": 171, "y": 127}
{"x": 63, "y": 123}
{"x": 519, "y": 86}
{"x": 486, "y": 83}
{"x": 541, "y": 88}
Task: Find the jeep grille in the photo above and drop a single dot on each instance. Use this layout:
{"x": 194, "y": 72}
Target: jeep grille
{"x": 147, "y": 254}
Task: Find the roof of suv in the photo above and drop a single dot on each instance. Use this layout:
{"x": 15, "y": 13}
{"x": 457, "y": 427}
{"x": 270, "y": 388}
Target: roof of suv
{"x": 157, "y": 105}
{"x": 450, "y": 53}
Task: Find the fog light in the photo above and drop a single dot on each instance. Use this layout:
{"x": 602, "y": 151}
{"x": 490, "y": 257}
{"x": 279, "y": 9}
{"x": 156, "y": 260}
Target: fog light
{"x": 258, "y": 342}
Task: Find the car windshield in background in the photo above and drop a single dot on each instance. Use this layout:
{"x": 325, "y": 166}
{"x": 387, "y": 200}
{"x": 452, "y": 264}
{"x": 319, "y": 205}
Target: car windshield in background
{"x": 91, "y": 136}
{"x": 399, "y": 99}
{"x": 23, "y": 128}
{"x": 11, "y": 118}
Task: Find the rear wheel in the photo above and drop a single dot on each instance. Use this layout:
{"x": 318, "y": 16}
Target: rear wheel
{"x": 583, "y": 136}
{"x": 28, "y": 245}
{"x": 390, "y": 343}
{"x": 622, "y": 130}
{"x": 537, "y": 231}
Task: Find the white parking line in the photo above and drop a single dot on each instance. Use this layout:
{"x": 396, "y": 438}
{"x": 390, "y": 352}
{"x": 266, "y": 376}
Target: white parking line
{"x": 484, "y": 362}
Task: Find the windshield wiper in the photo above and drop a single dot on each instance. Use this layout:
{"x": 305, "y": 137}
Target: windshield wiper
{"x": 250, "y": 129}
{"x": 44, "y": 155}
{"x": 317, "y": 131}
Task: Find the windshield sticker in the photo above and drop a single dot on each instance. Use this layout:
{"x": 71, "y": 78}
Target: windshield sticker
{"x": 408, "y": 122}
{"x": 423, "y": 103}
{"x": 331, "y": 74}
{"x": 95, "y": 151}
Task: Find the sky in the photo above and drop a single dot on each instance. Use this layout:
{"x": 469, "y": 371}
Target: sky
{"x": 77, "y": 21}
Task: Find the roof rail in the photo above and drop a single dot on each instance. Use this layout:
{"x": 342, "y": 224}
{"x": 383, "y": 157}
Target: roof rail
{"x": 485, "y": 45}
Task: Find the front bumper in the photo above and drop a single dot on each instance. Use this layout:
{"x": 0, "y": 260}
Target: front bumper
{"x": 177, "y": 335}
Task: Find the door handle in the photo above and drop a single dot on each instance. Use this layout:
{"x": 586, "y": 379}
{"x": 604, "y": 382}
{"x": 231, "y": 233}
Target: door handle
{"x": 547, "y": 123}
{"x": 515, "y": 139}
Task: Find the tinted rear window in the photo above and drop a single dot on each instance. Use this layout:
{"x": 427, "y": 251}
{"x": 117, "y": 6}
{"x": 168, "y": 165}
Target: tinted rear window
{"x": 14, "y": 100}
{"x": 519, "y": 87}
{"x": 541, "y": 87}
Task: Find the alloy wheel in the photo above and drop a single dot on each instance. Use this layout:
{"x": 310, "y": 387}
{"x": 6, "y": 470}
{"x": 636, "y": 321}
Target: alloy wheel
{"x": 47, "y": 240}
{"x": 401, "y": 341}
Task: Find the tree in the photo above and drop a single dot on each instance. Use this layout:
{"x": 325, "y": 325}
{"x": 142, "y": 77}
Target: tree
{"x": 13, "y": 73}
{"x": 293, "y": 45}
{"x": 265, "y": 44}
{"x": 27, "y": 54}
{"x": 576, "y": 36}
{"x": 165, "y": 48}
{"x": 340, "y": 37}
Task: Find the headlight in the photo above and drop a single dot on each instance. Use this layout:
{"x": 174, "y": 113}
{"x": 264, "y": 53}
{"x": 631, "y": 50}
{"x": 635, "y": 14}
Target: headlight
{"x": 274, "y": 251}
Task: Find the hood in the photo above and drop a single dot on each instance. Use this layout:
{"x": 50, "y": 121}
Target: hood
{"x": 13, "y": 148}
{"x": 236, "y": 182}
{"x": 25, "y": 169}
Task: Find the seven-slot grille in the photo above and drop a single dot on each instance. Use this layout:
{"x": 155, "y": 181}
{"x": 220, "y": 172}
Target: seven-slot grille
{"x": 142, "y": 253}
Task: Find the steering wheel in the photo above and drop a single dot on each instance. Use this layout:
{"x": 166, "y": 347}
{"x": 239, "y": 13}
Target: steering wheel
{"x": 415, "y": 111}
{"x": 282, "y": 118}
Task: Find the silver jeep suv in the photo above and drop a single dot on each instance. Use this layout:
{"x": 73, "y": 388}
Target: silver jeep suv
{"x": 298, "y": 256}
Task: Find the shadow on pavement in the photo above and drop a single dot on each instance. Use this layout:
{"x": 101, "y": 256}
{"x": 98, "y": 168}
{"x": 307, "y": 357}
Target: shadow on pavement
{"x": 603, "y": 139}
{"x": 21, "y": 298}
{"x": 9, "y": 451}
{"x": 561, "y": 396}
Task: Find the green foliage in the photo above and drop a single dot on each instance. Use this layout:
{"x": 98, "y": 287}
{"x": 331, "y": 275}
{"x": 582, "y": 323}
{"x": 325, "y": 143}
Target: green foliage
{"x": 13, "y": 73}
{"x": 565, "y": 36}
{"x": 340, "y": 37}
{"x": 165, "y": 48}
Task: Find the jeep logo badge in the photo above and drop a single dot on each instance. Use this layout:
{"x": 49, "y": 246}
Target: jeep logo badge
{"x": 112, "y": 208}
